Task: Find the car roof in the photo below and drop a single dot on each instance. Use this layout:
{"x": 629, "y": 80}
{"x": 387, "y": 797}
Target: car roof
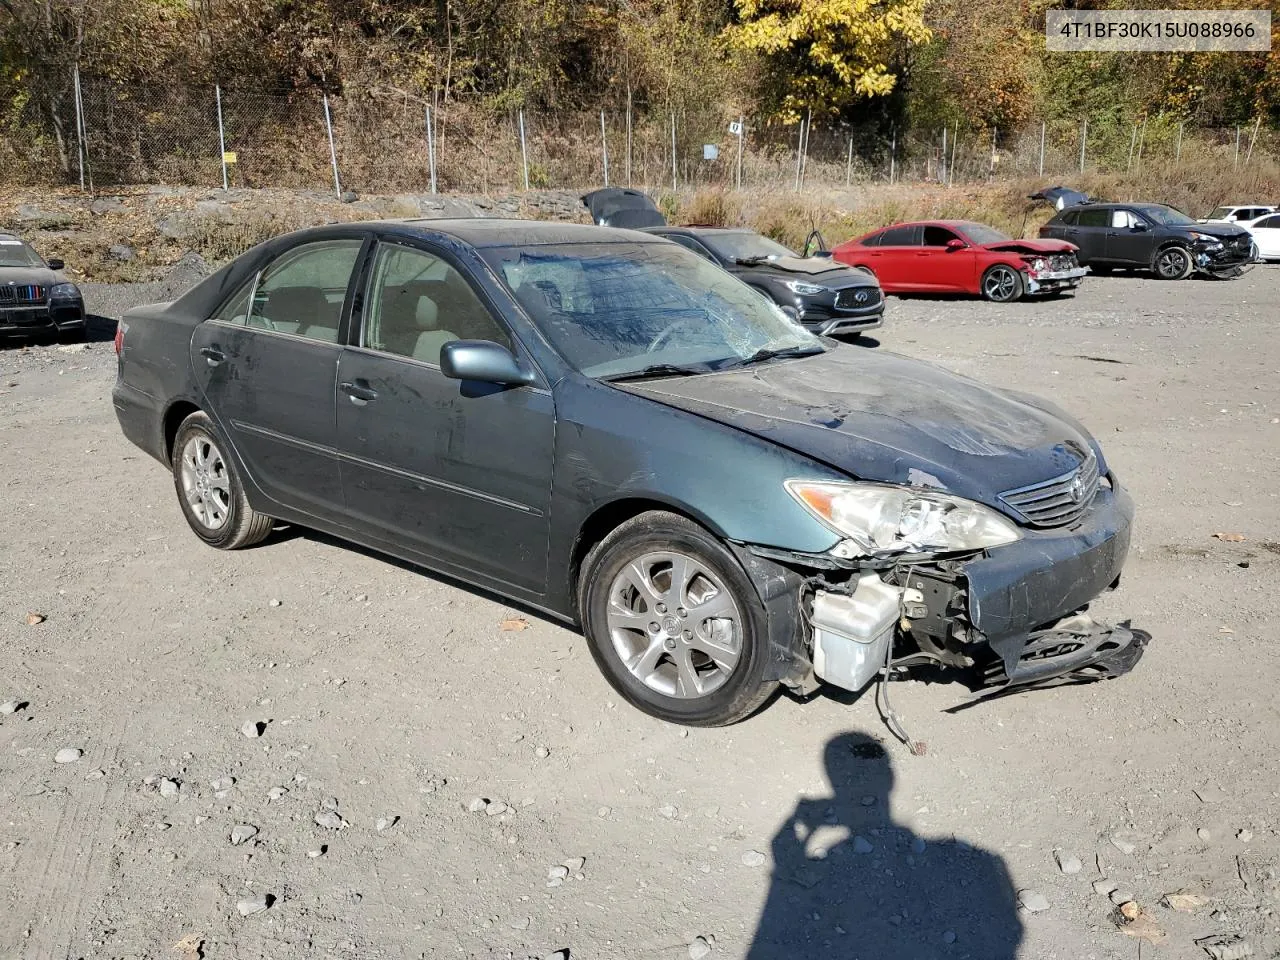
{"x": 498, "y": 232}
{"x": 10, "y": 236}
{"x": 699, "y": 229}
{"x": 486, "y": 231}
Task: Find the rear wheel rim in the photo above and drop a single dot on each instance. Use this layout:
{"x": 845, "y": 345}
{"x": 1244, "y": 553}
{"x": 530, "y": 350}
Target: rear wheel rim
{"x": 1000, "y": 284}
{"x": 1172, "y": 263}
{"x": 206, "y": 483}
{"x": 674, "y": 625}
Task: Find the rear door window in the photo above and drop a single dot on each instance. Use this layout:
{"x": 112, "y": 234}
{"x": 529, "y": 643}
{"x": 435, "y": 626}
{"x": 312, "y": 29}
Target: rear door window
{"x": 904, "y": 236}
{"x": 302, "y": 291}
{"x": 1270, "y": 223}
{"x": 1095, "y": 218}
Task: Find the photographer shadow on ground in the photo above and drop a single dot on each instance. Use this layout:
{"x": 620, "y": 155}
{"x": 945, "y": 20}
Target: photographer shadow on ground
{"x": 850, "y": 883}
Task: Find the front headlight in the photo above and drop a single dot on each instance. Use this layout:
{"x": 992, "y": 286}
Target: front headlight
{"x": 1206, "y": 237}
{"x": 1039, "y": 265}
{"x": 802, "y": 288}
{"x": 883, "y": 520}
{"x": 64, "y": 291}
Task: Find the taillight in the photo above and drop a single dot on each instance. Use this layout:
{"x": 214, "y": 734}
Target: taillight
{"x": 119, "y": 341}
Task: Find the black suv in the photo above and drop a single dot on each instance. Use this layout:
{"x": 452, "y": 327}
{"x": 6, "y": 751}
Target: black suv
{"x": 1151, "y": 236}
{"x": 36, "y": 300}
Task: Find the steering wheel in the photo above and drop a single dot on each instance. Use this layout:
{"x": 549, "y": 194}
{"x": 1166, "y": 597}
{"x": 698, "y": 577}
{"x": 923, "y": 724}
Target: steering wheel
{"x": 665, "y": 333}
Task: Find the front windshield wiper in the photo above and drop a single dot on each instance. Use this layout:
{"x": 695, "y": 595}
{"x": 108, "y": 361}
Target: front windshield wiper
{"x": 773, "y": 353}
{"x": 655, "y": 370}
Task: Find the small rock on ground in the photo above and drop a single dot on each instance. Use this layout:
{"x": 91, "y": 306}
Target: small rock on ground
{"x": 477, "y": 804}
{"x": 330, "y": 820}
{"x": 168, "y": 788}
{"x": 386, "y": 823}
{"x": 862, "y": 845}
{"x": 1068, "y": 864}
{"x": 316, "y": 852}
{"x": 1123, "y": 845}
{"x": 1204, "y": 835}
{"x": 68, "y": 755}
{"x": 251, "y": 905}
{"x": 1033, "y": 902}
{"x": 753, "y": 858}
{"x": 699, "y": 948}
{"x": 251, "y": 729}
{"x": 12, "y": 706}
{"x": 242, "y": 833}
{"x": 575, "y": 863}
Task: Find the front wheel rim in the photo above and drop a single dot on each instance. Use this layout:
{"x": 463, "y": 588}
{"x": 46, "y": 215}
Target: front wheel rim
{"x": 206, "y": 483}
{"x": 1173, "y": 263}
{"x": 674, "y": 625}
{"x": 1000, "y": 284}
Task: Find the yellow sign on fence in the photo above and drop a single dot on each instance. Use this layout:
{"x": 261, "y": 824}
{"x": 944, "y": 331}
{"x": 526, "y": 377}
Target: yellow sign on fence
{"x": 229, "y": 157}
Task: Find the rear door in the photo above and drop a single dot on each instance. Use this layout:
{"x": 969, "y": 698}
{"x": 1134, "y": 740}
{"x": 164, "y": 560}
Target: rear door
{"x": 939, "y": 268}
{"x": 266, "y": 364}
{"x": 457, "y": 471}
{"x": 1090, "y": 233}
{"x": 894, "y": 258}
{"x": 1129, "y": 238}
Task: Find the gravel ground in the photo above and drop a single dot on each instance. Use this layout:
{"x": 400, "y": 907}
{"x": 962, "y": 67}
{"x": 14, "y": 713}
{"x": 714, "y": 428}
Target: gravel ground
{"x": 305, "y": 749}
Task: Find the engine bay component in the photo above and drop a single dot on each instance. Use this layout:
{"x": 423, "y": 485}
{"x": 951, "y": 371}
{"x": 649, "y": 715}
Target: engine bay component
{"x": 852, "y": 633}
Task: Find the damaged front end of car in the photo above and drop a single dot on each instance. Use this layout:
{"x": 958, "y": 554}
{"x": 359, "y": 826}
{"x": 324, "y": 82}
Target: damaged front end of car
{"x": 956, "y": 585}
{"x": 1223, "y": 257}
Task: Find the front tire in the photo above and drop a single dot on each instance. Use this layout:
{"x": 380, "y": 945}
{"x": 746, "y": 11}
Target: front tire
{"x": 1173, "y": 263}
{"x": 1001, "y": 284}
{"x": 674, "y": 623}
{"x": 209, "y": 488}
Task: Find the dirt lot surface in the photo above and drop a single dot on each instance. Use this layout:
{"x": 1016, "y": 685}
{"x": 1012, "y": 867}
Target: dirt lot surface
{"x": 382, "y": 693}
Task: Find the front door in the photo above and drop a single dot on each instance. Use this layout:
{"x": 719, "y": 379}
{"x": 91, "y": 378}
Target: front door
{"x": 1129, "y": 239}
{"x": 452, "y": 470}
{"x": 945, "y": 269}
{"x": 266, "y": 364}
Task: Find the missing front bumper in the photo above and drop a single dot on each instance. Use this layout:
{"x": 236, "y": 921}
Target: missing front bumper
{"x": 1073, "y": 650}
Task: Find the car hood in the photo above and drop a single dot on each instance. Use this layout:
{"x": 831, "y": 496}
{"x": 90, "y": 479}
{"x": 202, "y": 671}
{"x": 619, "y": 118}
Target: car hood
{"x": 821, "y": 267}
{"x": 1030, "y": 246}
{"x": 882, "y": 417}
{"x": 41, "y": 276}
{"x": 1225, "y": 231}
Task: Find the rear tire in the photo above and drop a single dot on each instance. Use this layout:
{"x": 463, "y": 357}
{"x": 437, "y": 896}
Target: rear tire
{"x": 674, "y": 623}
{"x": 209, "y": 488}
{"x": 1001, "y": 284}
{"x": 1172, "y": 263}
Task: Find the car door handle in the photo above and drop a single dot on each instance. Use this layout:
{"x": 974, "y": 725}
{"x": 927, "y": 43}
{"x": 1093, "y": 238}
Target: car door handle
{"x": 212, "y": 355}
{"x": 359, "y": 391}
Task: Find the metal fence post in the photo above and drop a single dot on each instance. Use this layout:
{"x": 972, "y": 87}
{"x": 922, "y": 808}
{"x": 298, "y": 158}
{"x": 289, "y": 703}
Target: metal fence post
{"x": 848, "y": 166}
{"x": 955, "y": 142}
{"x": 431, "y": 150}
{"x": 674, "y": 161}
{"x": 1133, "y": 142}
{"x": 75, "y": 79}
{"x": 1042, "y": 148}
{"x": 942, "y": 165}
{"x": 893, "y": 153}
{"x": 222, "y": 137}
{"x": 1142, "y": 139}
{"x": 333, "y": 151}
{"x": 742, "y": 132}
{"x": 1236, "y": 161}
{"x": 1257, "y": 122}
{"x": 1084, "y": 137}
{"x": 628, "y": 135}
{"x": 1177, "y": 154}
{"x": 604, "y": 148}
{"x": 524, "y": 152}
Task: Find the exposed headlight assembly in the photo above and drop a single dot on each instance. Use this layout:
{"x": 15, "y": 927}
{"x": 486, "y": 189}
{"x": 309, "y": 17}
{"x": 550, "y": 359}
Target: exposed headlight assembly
{"x": 802, "y": 288}
{"x": 64, "y": 291}
{"x": 883, "y": 520}
{"x": 1206, "y": 237}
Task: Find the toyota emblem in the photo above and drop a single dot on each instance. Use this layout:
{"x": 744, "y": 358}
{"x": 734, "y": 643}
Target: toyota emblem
{"x": 1077, "y": 488}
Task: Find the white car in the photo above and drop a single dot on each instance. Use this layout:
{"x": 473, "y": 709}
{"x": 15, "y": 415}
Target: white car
{"x": 1239, "y": 213}
{"x": 1266, "y": 235}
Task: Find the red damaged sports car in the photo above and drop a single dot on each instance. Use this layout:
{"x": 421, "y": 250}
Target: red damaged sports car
{"x": 959, "y": 256}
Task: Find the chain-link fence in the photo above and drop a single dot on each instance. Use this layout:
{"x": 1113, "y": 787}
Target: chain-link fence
{"x": 103, "y": 133}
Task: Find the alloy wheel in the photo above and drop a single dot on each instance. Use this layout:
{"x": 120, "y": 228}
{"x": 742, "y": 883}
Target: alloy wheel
{"x": 1000, "y": 284}
{"x": 1173, "y": 264}
{"x": 674, "y": 624}
{"x": 205, "y": 481}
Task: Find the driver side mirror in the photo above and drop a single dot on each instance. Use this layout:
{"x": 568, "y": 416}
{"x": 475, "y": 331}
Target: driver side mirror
{"x": 483, "y": 360}
{"x": 55, "y": 264}
{"x": 955, "y": 244}
{"x": 1139, "y": 227}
